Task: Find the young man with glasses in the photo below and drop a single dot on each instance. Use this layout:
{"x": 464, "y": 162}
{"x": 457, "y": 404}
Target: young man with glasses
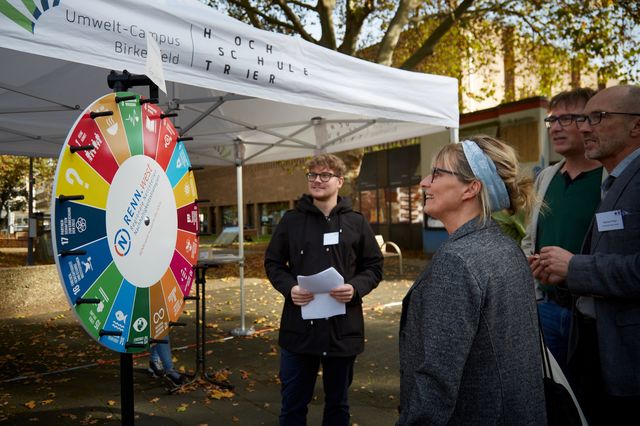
{"x": 321, "y": 232}
{"x": 604, "y": 352}
{"x": 571, "y": 192}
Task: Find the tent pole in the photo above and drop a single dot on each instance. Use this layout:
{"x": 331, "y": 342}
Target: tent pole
{"x": 32, "y": 222}
{"x": 239, "y": 153}
{"x": 453, "y": 135}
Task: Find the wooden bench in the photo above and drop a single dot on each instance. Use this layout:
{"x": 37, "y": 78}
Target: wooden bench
{"x": 383, "y": 248}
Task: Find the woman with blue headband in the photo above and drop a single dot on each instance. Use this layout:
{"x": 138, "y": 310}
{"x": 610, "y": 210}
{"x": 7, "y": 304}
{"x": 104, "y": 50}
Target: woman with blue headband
{"x": 469, "y": 342}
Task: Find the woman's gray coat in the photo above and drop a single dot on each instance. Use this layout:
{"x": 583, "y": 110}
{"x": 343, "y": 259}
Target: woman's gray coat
{"x": 469, "y": 346}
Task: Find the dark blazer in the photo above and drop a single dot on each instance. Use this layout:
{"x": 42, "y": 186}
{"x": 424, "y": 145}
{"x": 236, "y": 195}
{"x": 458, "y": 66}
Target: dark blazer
{"x": 469, "y": 342}
{"x": 609, "y": 269}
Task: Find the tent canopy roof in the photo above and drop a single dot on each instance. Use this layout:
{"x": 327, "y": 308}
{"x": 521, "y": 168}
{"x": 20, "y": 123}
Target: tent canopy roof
{"x": 281, "y": 96}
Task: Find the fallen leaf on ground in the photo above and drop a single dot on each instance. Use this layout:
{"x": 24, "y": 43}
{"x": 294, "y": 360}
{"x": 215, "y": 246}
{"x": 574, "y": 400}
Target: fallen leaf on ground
{"x": 219, "y": 394}
{"x": 30, "y": 404}
{"x": 222, "y": 375}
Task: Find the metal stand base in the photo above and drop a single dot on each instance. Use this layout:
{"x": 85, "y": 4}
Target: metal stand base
{"x": 242, "y": 331}
{"x": 201, "y": 326}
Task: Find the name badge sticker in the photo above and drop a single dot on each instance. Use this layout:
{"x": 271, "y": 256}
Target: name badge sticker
{"x": 609, "y": 221}
{"x": 331, "y": 238}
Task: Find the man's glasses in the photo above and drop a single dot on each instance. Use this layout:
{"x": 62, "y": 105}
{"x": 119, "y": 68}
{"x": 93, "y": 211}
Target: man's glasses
{"x": 436, "y": 171}
{"x": 324, "y": 177}
{"x": 596, "y": 117}
{"x": 563, "y": 120}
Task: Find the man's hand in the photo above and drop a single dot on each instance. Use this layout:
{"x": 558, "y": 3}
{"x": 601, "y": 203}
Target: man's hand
{"x": 553, "y": 265}
{"x": 343, "y": 293}
{"x": 534, "y": 261}
{"x": 300, "y": 296}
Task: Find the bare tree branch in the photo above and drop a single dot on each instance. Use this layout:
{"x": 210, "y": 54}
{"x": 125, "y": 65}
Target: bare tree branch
{"x": 303, "y": 5}
{"x": 295, "y": 20}
{"x": 428, "y": 46}
{"x": 267, "y": 18}
{"x": 253, "y": 17}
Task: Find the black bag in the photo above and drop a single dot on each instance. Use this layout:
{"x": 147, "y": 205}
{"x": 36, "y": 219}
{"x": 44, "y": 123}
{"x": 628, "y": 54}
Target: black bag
{"x": 561, "y": 408}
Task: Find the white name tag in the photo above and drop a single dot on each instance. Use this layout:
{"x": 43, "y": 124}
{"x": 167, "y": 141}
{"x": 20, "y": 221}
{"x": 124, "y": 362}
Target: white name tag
{"x": 331, "y": 238}
{"x": 609, "y": 221}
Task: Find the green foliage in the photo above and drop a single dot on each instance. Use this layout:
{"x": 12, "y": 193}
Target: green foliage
{"x": 14, "y": 176}
{"x": 512, "y": 225}
{"x": 12, "y": 183}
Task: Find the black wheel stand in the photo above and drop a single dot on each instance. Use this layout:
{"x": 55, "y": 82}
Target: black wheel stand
{"x": 200, "y": 371}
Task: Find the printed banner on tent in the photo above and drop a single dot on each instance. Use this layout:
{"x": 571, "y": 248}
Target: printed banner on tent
{"x": 201, "y": 47}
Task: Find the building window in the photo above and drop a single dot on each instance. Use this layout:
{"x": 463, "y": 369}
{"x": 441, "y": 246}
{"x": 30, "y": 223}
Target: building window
{"x": 369, "y": 205}
{"x": 383, "y": 216}
{"x": 248, "y": 219}
{"x": 203, "y": 215}
{"x": 229, "y": 216}
{"x": 406, "y": 204}
{"x": 270, "y": 215}
{"x": 373, "y": 205}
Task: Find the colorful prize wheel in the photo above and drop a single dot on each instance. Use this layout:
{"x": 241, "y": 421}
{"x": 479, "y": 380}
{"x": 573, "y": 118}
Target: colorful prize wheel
{"x": 125, "y": 222}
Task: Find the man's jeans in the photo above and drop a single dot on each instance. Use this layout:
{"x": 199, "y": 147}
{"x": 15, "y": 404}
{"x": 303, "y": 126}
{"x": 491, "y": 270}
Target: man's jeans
{"x": 298, "y": 377}
{"x": 556, "y": 323}
{"x": 162, "y": 352}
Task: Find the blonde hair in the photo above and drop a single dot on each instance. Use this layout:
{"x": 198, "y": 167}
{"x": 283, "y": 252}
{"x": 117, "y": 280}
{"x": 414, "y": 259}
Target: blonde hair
{"x": 520, "y": 189}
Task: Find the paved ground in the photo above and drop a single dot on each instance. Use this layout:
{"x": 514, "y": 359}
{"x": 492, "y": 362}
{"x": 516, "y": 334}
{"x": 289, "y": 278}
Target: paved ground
{"x": 52, "y": 373}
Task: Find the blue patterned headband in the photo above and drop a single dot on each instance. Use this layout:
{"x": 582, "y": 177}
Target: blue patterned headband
{"x": 485, "y": 170}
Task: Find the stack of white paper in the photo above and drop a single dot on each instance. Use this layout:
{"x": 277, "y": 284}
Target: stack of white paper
{"x": 320, "y": 284}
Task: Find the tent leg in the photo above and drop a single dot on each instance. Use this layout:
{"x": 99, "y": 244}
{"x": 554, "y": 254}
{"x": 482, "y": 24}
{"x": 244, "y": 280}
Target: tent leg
{"x": 32, "y": 223}
{"x": 242, "y": 331}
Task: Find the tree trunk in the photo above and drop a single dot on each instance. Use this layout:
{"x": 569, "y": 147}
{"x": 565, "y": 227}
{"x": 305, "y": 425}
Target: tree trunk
{"x": 509, "y": 62}
{"x": 355, "y": 18}
{"x": 602, "y": 80}
{"x": 391, "y": 37}
{"x": 325, "y": 11}
{"x": 575, "y": 73}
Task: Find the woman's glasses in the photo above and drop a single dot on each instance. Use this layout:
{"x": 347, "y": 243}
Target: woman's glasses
{"x": 437, "y": 171}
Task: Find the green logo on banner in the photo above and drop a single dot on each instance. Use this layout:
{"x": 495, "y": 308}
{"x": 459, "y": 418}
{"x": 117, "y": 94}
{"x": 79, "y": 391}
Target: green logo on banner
{"x": 26, "y": 22}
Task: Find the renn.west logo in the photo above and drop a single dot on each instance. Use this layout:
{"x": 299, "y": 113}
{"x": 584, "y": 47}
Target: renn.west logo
{"x": 122, "y": 242}
{"x": 26, "y": 22}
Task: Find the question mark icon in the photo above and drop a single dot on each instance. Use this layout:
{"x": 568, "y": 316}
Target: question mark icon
{"x": 73, "y": 173}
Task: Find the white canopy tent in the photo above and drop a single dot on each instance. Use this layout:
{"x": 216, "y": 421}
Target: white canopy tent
{"x": 244, "y": 95}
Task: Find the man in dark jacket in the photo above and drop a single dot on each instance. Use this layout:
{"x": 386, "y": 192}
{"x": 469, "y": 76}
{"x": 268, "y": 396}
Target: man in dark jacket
{"x": 321, "y": 232}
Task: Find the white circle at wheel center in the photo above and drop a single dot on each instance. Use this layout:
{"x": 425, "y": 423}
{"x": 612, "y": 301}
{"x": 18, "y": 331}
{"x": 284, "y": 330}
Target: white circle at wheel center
{"x": 141, "y": 219}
